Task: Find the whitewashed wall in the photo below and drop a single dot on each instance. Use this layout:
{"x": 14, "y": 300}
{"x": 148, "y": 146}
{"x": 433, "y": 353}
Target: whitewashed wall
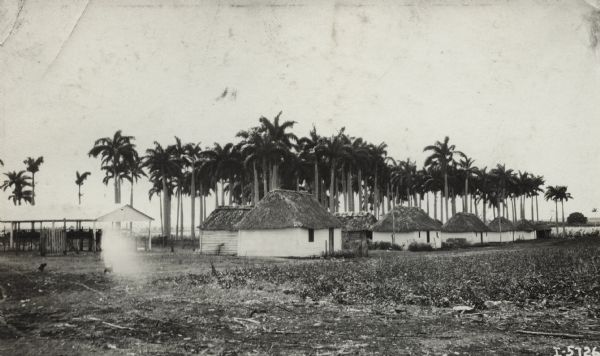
{"x": 505, "y": 236}
{"x": 524, "y": 235}
{"x": 286, "y": 242}
{"x": 472, "y": 237}
{"x": 406, "y": 238}
{"x": 210, "y": 241}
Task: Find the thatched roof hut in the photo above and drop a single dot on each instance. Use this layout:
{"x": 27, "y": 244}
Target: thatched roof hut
{"x": 501, "y": 224}
{"x": 524, "y": 225}
{"x": 359, "y": 221}
{"x": 224, "y": 218}
{"x": 464, "y": 222}
{"x": 281, "y": 209}
{"x": 406, "y": 219}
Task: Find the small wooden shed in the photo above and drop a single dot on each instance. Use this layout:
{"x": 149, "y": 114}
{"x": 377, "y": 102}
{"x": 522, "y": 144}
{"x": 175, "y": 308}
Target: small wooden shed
{"x": 357, "y": 228}
{"x": 218, "y": 234}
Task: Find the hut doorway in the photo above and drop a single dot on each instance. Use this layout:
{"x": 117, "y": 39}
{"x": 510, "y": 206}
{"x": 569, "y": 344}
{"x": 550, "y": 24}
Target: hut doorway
{"x": 428, "y": 241}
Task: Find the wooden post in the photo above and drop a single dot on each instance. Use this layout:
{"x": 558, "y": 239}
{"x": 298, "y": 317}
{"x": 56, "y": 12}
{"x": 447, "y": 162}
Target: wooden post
{"x": 93, "y": 236}
{"x": 11, "y": 231}
{"x": 149, "y": 235}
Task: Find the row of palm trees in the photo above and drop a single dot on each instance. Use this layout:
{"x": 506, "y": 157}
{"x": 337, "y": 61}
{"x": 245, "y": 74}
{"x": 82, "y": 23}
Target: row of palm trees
{"x": 343, "y": 172}
{"x": 22, "y": 185}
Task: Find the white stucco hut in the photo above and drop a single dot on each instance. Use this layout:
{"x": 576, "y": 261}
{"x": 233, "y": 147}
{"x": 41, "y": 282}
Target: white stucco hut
{"x": 218, "y": 234}
{"x": 464, "y": 226}
{"x": 404, "y": 225}
{"x": 288, "y": 223}
{"x": 524, "y": 230}
{"x": 501, "y": 230}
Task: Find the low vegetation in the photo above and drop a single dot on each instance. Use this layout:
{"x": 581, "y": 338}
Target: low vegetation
{"x": 383, "y": 245}
{"x": 552, "y": 275}
{"x": 420, "y": 246}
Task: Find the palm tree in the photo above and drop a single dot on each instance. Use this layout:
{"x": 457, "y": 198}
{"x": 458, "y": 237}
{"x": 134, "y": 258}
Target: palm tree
{"x": 116, "y": 152}
{"x": 163, "y": 166}
{"x": 19, "y": 181}
{"x": 192, "y": 152}
{"x": 33, "y": 166}
{"x": 377, "y": 157}
{"x": 442, "y": 154}
{"x": 502, "y": 179}
{"x": 308, "y": 153}
{"x": 80, "y": 178}
{"x": 553, "y": 193}
{"x": 277, "y": 135}
{"x": 559, "y": 193}
{"x": 468, "y": 170}
{"x": 333, "y": 149}
{"x": 537, "y": 184}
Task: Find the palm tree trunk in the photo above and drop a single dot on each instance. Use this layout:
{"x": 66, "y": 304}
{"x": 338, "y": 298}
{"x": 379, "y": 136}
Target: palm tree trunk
{"x": 465, "y": 201}
{"x": 316, "y": 181}
{"x": 562, "y": 205}
{"x": 265, "y": 176}
{"x": 446, "y": 194}
{"x": 32, "y": 188}
{"x": 331, "y": 188}
{"x": 193, "y": 202}
{"x": 160, "y": 204}
{"x": 131, "y": 204}
{"x": 537, "y": 211}
{"x": 350, "y": 191}
{"x": 376, "y": 196}
{"x": 256, "y": 192}
{"x": 532, "y": 216}
{"x": 556, "y": 209}
{"x": 79, "y": 193}
{"x": 181, "y": 213}
{"x": 435, "y": 205}
{"x": 427, "y": 202}
{"x": 344, "y": 191}
{"x": 360, "y": 192}
{"x": 222, "y": 192}
{"x": 177, "y": 214}
{"x": 216, "y": 194}
{"x": 484, "y": 208}
{"x": 230, "y": 190}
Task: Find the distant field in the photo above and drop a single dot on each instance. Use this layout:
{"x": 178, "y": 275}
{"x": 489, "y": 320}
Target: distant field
{"x": 389, "y": 303}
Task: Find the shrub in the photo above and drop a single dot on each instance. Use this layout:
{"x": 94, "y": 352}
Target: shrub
{"x": 382, "y": 245}
{"x": 420, "y": 246}
{"x": 451, "y": 244}
{"x": 341, "y": 254}
{"x": 577, "y": 218}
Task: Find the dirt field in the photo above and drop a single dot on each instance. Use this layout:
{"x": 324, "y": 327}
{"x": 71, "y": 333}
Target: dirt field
{"x": 172, "y": 304}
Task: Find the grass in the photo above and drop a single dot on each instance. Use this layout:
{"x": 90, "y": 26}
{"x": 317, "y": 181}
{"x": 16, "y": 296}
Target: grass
{"x": 389, "y": 303}
{"x": 383, "y": 245}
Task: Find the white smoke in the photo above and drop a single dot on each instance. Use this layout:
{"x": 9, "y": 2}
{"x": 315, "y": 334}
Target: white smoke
{"x": 119, "y": 254}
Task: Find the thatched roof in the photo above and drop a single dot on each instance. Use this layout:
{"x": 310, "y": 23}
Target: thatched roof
{"x": 281, "y": 209}
{"x": 406, "y": 219}
{"x": 464, "y": 222}
{"x": 360, "y": 221}
{"x": 501, "y": 224}
{"x": 524, "y": 225}
{"x": 224, "y": 218}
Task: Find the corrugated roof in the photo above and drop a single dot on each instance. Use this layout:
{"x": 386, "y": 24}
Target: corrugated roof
{"x": 125, "y": 213}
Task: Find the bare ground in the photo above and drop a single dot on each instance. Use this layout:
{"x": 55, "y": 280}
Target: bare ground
{"x": 73, "y": 308}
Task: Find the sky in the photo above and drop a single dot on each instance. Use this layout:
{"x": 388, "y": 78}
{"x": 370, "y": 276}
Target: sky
{"x": 511, "y": 82}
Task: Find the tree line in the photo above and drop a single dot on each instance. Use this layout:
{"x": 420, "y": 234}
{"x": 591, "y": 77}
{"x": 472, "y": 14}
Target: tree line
{"x": 343, "y": 172}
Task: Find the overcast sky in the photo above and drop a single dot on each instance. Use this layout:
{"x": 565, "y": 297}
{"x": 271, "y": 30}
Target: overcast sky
{"x": 511, "y": 82}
